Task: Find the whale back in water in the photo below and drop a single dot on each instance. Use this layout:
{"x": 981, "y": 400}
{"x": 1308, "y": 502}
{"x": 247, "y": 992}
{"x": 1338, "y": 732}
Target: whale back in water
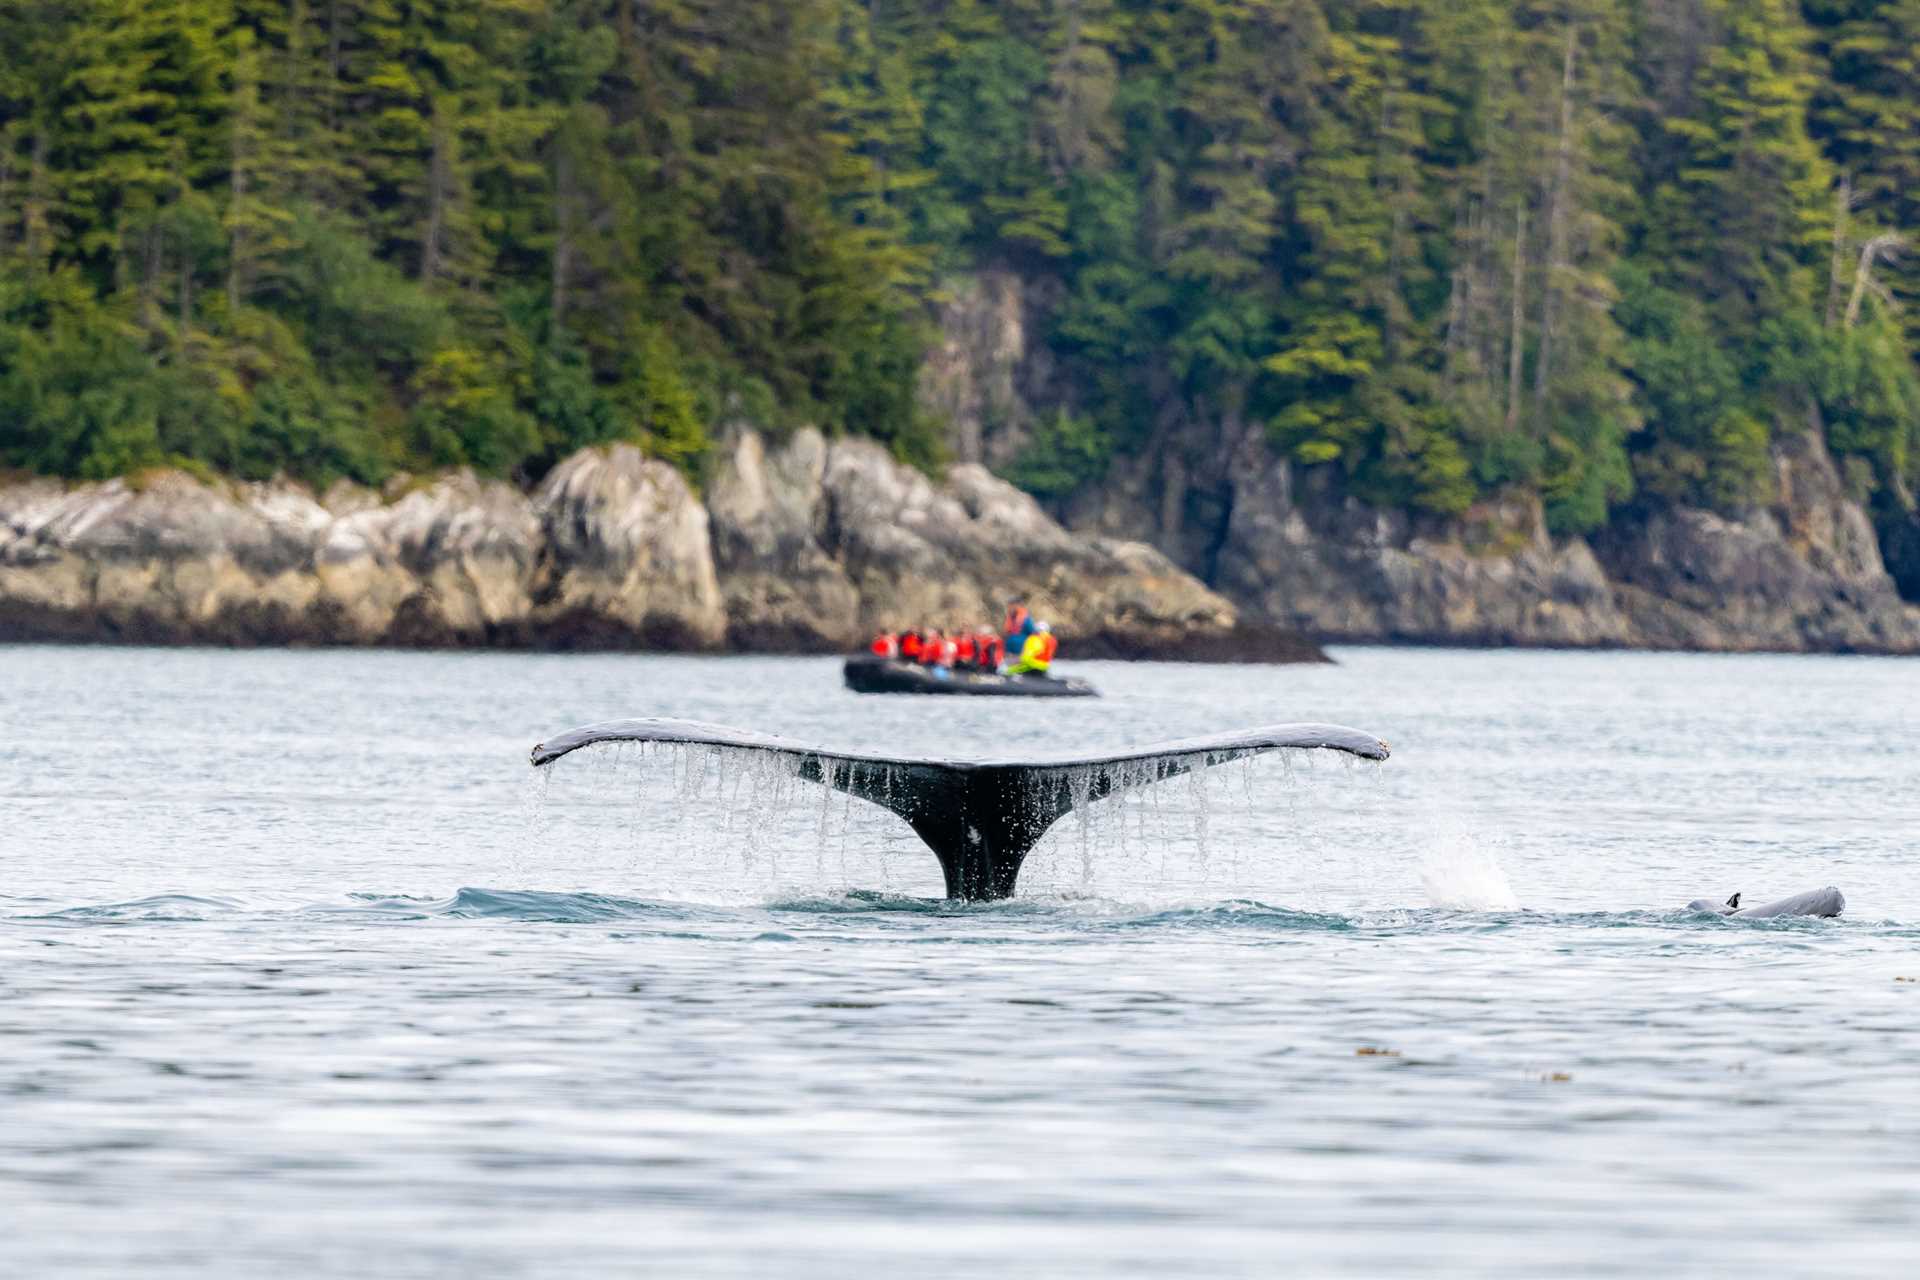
{"x": 1814, "y": 902}
{"x": 979, "y": 817}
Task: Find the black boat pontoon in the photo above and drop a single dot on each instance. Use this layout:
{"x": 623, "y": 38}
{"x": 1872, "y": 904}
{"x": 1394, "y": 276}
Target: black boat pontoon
{"x": 866, "y": 674}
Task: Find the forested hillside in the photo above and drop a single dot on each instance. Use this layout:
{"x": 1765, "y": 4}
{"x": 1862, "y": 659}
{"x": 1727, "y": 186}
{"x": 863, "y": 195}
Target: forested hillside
{"x": 1586, "y": 249}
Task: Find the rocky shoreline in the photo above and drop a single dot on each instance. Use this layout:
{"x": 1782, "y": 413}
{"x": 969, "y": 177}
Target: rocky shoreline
{"x": 811, "y": 545}
{"x": 1803, "y": 574}
{"x": 808, "y": 547}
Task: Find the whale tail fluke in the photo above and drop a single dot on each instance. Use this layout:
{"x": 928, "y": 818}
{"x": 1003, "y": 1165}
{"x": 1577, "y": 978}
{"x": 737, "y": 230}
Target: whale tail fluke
{"x": 979, "y": 817}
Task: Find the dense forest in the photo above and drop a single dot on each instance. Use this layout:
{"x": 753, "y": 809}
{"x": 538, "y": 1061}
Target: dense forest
{"x": 1582, "y": 248}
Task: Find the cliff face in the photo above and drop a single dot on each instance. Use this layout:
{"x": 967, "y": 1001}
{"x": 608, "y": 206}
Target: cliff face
{"x": 820, "y": 544}
{"x": 807, "y": 547}
{"x": 1802, "y": 573}
{"x": 1341, "y": 569}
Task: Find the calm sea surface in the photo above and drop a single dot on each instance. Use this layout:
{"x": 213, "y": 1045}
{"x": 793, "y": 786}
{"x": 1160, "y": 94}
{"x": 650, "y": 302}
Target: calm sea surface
{"x": 304, "y": 971}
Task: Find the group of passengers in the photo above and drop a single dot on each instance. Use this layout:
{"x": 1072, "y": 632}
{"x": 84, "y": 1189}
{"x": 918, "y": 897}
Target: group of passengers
{"x": 980, "y": 649}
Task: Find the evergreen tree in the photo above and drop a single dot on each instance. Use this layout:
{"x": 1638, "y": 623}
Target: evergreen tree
{"x": 1446, "y": 250}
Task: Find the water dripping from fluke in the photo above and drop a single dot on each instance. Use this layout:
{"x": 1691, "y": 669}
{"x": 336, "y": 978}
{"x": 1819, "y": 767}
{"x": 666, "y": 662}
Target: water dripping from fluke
{"x": 980, "y": 818}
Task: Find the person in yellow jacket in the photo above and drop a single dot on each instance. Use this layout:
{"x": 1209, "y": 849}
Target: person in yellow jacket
{"x": 1036, "y": 655}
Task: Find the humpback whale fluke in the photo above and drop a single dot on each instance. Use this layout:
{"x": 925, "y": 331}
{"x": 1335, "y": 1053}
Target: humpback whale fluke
{"x": 979, "y": 817}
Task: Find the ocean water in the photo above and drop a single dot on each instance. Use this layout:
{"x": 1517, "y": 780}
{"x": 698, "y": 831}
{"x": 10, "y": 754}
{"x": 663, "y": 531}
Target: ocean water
{"x": 304, "y": 970}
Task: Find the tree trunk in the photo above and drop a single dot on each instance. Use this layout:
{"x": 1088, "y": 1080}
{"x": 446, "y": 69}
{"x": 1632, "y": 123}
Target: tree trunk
{"x": 186, "y": 284}
{"x": 1556, "y": 226}
{"x": 237, "y": 233}
{"x": 333, "y": 65}
{"x": 150, "y": 274}
{"x": 1837, "y": 271}
{"x": 563, "y": 198}
{"x": 35, "y": 230}
{"x": 436, "y": 200}
{"x": 1863, "y": 274}
{"x": 1516, "y": 336}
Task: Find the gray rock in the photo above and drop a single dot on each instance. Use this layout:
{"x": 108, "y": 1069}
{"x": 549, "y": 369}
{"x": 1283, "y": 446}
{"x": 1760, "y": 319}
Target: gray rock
{"x": 1801, "y": 574}
{"x": 1340, "y": 570}
{"x": 782, "y": 590}
{"x": 821, "y": 544}
{"x": 626, "y": 556}
{"x": 809, "y": 546}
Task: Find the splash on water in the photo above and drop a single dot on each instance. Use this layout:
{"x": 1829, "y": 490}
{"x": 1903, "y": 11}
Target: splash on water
{"x": 1461, "y": 875}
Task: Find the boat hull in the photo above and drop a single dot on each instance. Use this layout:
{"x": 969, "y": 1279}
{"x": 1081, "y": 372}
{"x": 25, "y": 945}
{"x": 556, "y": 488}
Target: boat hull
{"x": 889, "y": 675}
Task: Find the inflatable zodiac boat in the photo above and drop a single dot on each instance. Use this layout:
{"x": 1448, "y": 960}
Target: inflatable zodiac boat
{"x": 865, "y": 674}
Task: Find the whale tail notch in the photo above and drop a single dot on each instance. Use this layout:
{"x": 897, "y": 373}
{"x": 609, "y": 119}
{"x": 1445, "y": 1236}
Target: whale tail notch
{"x": 980, "y": 818}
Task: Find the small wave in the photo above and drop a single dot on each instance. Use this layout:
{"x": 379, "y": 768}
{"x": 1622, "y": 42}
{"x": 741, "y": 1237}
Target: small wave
{"x": 1240, "y": 913}
{"x": 529, "y": 905}
{"x": 157, "y": 909}
{"x": 867, "y": 901}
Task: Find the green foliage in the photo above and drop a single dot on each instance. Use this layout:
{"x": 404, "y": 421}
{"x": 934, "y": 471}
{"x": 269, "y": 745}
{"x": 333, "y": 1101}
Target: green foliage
{"x": 1710, "y": 445}
{"x": 1448, "y": 250}
{"x": 338, "y": 238}
{"x": 1065, "y": 452}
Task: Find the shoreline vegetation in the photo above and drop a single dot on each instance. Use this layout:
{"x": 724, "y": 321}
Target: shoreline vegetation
{"x": 1463, "y": 321}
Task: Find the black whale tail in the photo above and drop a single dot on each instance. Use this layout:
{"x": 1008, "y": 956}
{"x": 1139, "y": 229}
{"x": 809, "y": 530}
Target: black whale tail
{"x": 979, "y": 817}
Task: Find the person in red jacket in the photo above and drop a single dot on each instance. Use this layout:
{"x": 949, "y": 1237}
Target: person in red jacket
{"x": 1018, "y": 625}
{"x": 964, "y": 650}
{"x": 989, "y": 648}
{"x": 885, "y": 645}
{"x": 911, "y": 643}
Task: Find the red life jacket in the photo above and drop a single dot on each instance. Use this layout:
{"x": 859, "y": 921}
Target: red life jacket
{"x": 1048, "y": 647}
{"x": 885, "y": 645}
{"x": 991, "y": 649}
{"x": 965, "y": 649}
{"x": 910, "y": 646}
{"x": 1016, "y": 619}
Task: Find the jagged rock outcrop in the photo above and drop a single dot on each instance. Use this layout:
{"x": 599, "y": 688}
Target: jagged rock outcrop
{"x": 807, "y": 547}
{"x": 783, "y": 590}
{"x": 625, "y": 556}
{"x": 819, "y": 544}
{"x": 1341, "y": 570}
{"x": 445, "y": 564}
{"x": 612, "y": 551}
{"x": 921, "y": 553}
{"x": 983, "y": 376}
{"x": 1802, "y": 574}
